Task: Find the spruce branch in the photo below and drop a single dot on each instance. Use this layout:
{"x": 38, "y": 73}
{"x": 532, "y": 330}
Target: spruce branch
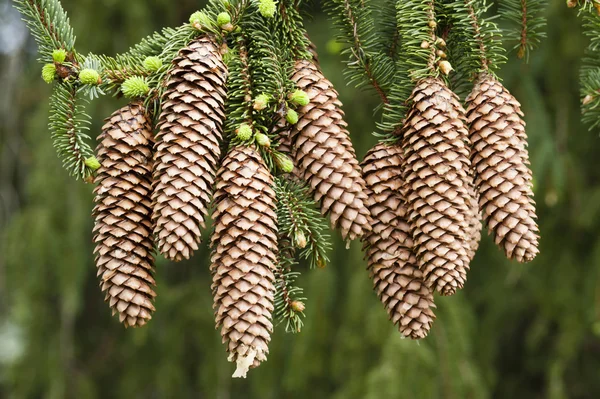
{"x": 474, "y": 42}
{"x": 300, "y": 221}
{"x": 49, "y": 24}
{"x": 291, "y": 30}
{"x": 366, "y": 65}
{"x": 526, "y": 24}
{"x": 68, "y": 123}
{"x": 289, "y": 300}
{"x": 590, "y": 69}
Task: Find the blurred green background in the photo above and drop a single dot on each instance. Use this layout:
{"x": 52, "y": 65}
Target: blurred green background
{"x": 515, "y": 331}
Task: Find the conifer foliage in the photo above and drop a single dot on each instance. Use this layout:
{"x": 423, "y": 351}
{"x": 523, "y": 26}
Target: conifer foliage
{"x": 246, "y": 122}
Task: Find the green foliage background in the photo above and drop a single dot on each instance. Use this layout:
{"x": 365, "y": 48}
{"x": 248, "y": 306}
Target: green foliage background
{"x": 516, "y": 331}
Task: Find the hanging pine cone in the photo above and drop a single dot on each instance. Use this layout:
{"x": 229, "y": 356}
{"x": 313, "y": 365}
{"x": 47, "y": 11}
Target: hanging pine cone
{"x": 324, "y": 154}
{"x": 244, "y": 256}
{"x": 392, "y": 264}
{"x": 123, "y": 228}
{"x": 437, "y": 183}
{"x": 502, "y": 175}
{"x": 188, "y": 147}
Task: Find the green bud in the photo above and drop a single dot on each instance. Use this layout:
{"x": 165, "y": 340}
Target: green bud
{"x": 291, "y": 117}
{"x": 263, "y": 140}
{"x": 244, "y": 132}
{"x": 92, "y": 163}
{"x": 49, "y": 73}
{"x": 59, "y": 55}
{"x": 225, "y": 3}
{"x": 135, "y": 86}
{"x": 284, "y": 163}
{"x": 152, "y": 64}
{"x": 223, "y": 18}
{"x": 261, "y": 102}
{"x": 267, "y": 8}
{"x": 200, "y": 19}
{"x": 299, "y": 97}
{"x": 89, "y": 77}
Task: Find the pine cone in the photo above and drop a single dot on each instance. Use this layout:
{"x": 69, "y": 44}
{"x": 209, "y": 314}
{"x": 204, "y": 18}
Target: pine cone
{"x": 123, "y": 228}
{"x": 392, "y": 264}
{"x": 188, "y": 147}
{"x": 324, "y": 155}
{"x": 502, "y": 176}
{"x": 244, "y": 256}
{"x": 437, "y": 183}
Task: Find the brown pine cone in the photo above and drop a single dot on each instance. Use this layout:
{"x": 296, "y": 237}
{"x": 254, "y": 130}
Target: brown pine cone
{"x": 188, "y": 147}
{"x": 392, "y": 264}
{"x": 244, "y": 256}
{"x": 324, "y": 155}
{"x": 502, "y": 175}
{"x": 123, "y": 228}
{"x": 435, "y": 144}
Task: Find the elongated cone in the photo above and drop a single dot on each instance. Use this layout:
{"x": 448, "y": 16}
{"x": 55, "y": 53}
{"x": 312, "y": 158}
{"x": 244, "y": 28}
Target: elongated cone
{"x": 437, "y": 181}
{"x": 244, "y": 256}
{"x": 392, "y": 264}
{"x": 123, "y": 228}
{"x": 502, "y": 175}
{"x": 324, "y": 154}
{"x": 188, "y": 147}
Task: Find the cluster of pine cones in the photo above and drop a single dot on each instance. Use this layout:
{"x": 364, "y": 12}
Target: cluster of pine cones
{"x": 416, "y": 204}
{"x": 429, "y": 192}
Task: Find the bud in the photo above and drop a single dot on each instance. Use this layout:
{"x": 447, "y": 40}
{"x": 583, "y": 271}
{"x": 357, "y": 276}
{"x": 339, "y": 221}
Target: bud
{"x": 424, "y": 44}
{"x": 89, "y": 77}
{"x": 263, "y": 140}
{"x": 92, "y": 163}
{"x": 59, "y": 55}
{"x": 223, "y": 18}
{"x": 321, "y": 264}
{"x": 299, "y": 97}
{"x": 587, "y": 99}
{"x": 135, "y": 86}
{"x": 300, "y": 239}
{"x": 571, "y": 3}
{"x": 261, "y": 102}
{"x": 152, "y": 64}
{"x": 284, "y": 163}
{"x": 267, "y": 8}
{"x": 445, "y": 67}
{"x": 200, "y": 19}
{"x": 440, "y": 54}
{"x": 244, "y": 132}
{"x": 440, "y": 42}
{"x": 432, "y": 24}
{"x": 521, "y": 52}
{"x": 298, "y": 306}
{"x": 48, "y": 73}
{"x": 291, "y": 117}
{"x": 89, "y": 179}
{"x": 229, "y": 28}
